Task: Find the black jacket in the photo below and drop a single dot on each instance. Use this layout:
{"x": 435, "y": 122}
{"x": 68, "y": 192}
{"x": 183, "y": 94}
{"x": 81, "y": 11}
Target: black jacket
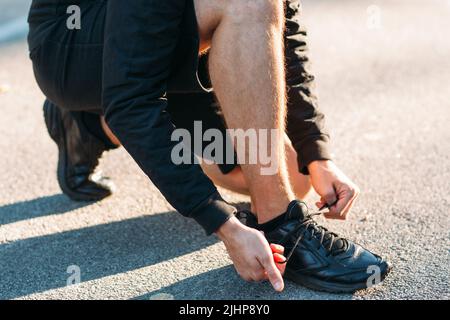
{"x": 140, "y": 43}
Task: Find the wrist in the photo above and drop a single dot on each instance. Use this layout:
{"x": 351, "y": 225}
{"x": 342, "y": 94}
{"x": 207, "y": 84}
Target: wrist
{"x": 229, "y": 228}
{"x": 319, "y": 164}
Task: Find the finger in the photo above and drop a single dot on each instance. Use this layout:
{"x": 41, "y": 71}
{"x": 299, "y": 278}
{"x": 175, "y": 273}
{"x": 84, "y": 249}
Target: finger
{"x": 349, "y": 207}
{"x": 259, "y": 276}
{"x": 272, "y": 271}
{"x": 332, "y": 213}
{"x": 342, "y": 203}
{"x": 281, "y": 268}
{"x": 245, "y": 277}
{"x": 251, "y": 271}
{"x": 322, "y": 204}
{"x": 333, "y": 216}
{"x": 276, "y": 248}
{"x": 279, "y": 258}
{"x": 280, "y": 262}
{"x": 329, "y": 198}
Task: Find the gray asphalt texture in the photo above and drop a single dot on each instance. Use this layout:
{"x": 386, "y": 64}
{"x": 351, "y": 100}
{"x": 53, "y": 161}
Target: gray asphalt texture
{"x": 386, "y": 93}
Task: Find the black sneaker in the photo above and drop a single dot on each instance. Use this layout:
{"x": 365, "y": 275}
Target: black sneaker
{"x": 79, "y": 154}
{"x": 320, "y": 259}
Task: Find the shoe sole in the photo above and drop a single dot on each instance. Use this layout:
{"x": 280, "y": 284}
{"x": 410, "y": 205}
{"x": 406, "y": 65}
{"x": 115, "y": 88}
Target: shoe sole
{"x": 56, "y": 128}
{"x": 330, "y": 287}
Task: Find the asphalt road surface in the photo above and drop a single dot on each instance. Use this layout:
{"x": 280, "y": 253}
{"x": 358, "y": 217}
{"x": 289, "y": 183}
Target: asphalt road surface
{"x": 383, "y": 72}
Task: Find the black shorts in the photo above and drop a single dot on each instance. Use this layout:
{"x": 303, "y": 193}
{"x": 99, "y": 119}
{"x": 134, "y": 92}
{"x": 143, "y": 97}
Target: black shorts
{"x": 68, "y": 65}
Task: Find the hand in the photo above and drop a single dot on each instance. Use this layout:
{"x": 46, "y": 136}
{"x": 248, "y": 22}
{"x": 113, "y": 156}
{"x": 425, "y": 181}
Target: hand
{"x": 333, "y": 186}
{"x": 251, "y": 254}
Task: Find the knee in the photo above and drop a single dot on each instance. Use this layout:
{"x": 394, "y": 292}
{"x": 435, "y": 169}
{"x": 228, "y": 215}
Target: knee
{"x": 251, "y": 11}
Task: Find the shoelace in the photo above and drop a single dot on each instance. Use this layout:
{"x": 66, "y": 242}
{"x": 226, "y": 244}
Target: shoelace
{"x": 310, "y": 224}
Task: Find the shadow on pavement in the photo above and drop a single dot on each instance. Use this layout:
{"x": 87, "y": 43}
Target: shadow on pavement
{"x": 212, "y": 285}
{"x": 224, "y": 283}
{"x": 39, "y": 207}
{"x": 40, "y": 264}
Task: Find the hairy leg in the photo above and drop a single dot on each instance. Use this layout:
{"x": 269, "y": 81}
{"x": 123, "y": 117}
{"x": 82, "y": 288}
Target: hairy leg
{"x": 235, "y": 180}
{"x": 247, "y": 72}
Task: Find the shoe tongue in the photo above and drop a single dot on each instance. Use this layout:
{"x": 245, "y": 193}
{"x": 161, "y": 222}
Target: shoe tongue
{"x": 298, "y": 210}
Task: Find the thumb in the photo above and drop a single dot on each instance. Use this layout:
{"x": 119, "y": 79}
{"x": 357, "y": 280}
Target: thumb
{"x": 273, "y": 273}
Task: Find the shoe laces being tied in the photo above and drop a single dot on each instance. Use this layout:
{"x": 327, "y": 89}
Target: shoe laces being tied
{"x": 308, "y": 227}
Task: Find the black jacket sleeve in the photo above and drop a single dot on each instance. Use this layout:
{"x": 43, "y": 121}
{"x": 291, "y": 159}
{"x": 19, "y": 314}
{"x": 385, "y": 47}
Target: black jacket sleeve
{"x": 305, "y": 122}
{"x": 140, "y": 40}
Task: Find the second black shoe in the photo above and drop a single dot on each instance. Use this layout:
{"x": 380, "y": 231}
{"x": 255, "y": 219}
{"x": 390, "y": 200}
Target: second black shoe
{"x": 79, "y": 154}
{"x": 320, "y": 259}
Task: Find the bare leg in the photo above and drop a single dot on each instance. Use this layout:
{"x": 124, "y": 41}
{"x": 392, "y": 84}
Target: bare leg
{"x": 300, "y": 183}
{"x": 235, "y": 180}
{"x": 247, "y": 71}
